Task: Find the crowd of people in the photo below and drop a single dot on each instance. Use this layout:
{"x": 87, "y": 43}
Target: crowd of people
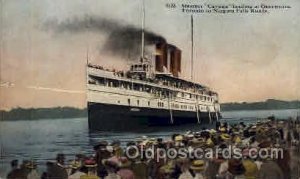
{"x": 115, "y": 160}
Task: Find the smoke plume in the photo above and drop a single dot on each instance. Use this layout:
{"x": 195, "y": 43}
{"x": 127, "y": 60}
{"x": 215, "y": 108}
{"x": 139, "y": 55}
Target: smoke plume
{"x": 123, "y": 40}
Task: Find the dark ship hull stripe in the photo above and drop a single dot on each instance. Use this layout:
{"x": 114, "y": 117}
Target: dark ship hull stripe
{"x": 116, "y": 117}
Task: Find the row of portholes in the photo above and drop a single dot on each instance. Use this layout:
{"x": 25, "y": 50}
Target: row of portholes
{"x": 161, "y": 104}
{"x": 137, "y": 102}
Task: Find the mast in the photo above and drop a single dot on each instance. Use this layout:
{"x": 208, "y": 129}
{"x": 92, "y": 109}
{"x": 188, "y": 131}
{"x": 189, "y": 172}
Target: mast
{"x": 86, "y": 67}
{"x": 192, "y": 48}
{"x": 87, "y": 55}
{"x": 143, "y": 33}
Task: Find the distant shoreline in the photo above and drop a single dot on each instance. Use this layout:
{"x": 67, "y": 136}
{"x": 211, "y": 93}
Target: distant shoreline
{"x": 234, "y": 110}
{"x": 72, "y": 112}
{"x": 270, "y": 104}
{"x": 42, "y": 113}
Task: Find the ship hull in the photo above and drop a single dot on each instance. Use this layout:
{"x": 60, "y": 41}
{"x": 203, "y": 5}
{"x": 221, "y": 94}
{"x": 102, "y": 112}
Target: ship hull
{"x": 106, "y": 117}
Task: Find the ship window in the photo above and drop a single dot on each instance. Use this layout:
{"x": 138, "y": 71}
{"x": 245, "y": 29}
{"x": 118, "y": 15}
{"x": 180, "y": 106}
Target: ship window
{"x": 160, "y": 104}
{"x": 101, "y": 81}
{"x": 119, "y": 101}
{"x": 138, "y": 102}
{"x": 148, "y": 103}
{"x": 115, "y": 84}
{"x": 128, "y": 101}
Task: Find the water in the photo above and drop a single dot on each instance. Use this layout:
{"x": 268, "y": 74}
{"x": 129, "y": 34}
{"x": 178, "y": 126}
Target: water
{"x": 41, "y": 140}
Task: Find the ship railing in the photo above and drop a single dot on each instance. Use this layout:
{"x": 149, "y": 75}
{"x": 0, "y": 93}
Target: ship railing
{"x": 122, "y": 74}
{"x": 158, "y": 84}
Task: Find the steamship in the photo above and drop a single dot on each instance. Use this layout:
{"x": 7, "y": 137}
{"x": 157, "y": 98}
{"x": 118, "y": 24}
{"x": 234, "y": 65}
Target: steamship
{"x": 150, "y": 93}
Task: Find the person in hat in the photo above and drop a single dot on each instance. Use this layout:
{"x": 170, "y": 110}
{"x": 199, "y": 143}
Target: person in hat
{"x": 101, "y": 154}
{"x": 184, "y": 167}
{"x": 251, "y": 169}
{"x": 178, "y": 141}
{"x": 125, "y": 172}
{"x": 115, "y": 155}
{"x": 270, "y": 169}
{"x": 80, "y": 158}
{"x": 117, "y": 149}
{"x": 236, "y": 139}
{"x": 209, "y": 142}
{"x": 32, "y": 170}
{"x": 140, "y": 168}
{"x": 217, "y": 126}
{"x": 223, "y": 129}
{"x": 58, "y": 170}
{"x": 45, "y": 175}
{"x": 284, "y": 163}
{"x": 166, "y": 172}
{"x": 213, "y": 166}
{"x": 91, "y": 166}
{"x": 253, "y": 143}
{"x": 223, "y": 169}
{"x": 160, "y": 143}
{"x": 198, "y": 167}
{"x": 153, "y": 167}
{"x": 112, "y": 169}
{"x": 14, "y": 169}
{"x": 225, "y": 138}
{"x": 76, "y": 172}
{"x": 236, "y": 168}
{"x": 197, "y": 142}
{"x": 22, "y": 172}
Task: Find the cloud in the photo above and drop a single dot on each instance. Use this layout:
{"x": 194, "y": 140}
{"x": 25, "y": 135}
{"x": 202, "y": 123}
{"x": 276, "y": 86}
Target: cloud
{"x": 56, "y": 89}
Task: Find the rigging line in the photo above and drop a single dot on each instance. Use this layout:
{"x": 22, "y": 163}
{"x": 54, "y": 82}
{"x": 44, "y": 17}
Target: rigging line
{"x": 192, "y": 48}
{"x": 143, "y": 32}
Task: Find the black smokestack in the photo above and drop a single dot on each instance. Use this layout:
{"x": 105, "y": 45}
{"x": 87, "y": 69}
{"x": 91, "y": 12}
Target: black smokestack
{"x": 123, "y": 40}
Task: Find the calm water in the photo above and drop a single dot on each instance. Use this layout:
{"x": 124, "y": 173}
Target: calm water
{"x": 41, "y": 140}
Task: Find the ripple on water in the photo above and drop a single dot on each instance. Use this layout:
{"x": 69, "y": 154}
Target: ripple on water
{"x": 44, "y": 139}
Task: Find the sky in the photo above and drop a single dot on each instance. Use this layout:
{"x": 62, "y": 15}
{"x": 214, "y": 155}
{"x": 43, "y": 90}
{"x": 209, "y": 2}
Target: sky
{"x": 44, "y": 47}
